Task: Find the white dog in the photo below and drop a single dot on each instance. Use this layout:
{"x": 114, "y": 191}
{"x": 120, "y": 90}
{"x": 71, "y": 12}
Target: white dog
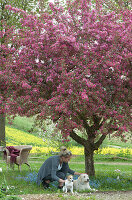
{"x": 82, "y": 183}
{"x": 68, "y": 184}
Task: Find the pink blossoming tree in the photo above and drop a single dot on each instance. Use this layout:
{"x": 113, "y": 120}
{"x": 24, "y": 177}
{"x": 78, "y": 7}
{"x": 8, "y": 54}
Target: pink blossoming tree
{"x": 73, "y": 65}
{"x": 8, "y": 22}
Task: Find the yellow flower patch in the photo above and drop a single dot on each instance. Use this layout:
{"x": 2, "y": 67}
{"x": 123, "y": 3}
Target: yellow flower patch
{"x": 44, "y": 150}
{"x": 77, "y": 150}
{"x": 18, "y": 137}
{"x": 114, "y": 151}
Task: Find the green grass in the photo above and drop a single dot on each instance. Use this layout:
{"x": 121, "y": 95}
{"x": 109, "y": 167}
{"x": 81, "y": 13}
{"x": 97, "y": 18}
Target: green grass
{"x": 105, "y": 158}
{"x": 105, "y": 177}
{"x": 104, "y": 168}
{"x": 24, "y": 124}
{"x": 116, "y": 142}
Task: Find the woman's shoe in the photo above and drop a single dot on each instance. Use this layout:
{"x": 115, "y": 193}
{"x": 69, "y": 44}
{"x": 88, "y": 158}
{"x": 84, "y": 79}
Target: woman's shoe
{"x": 60, "y": 187}
{"x": 45, "y": 185}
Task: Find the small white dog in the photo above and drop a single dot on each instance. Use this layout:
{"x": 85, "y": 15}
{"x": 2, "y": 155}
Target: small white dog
{"x": 82, "y": 183}
{"x": 68, "y": 184}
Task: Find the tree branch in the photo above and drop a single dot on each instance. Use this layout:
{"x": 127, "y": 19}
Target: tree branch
{"x": 97, "y": 123}
{"x": 86, "y": 126}
{"x": 99, "y": 142}
{"x": 77, "y": 138}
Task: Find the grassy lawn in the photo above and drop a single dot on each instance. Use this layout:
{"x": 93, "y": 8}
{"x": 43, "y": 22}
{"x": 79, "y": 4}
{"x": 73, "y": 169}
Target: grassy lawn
{"x": 24, "y": 182}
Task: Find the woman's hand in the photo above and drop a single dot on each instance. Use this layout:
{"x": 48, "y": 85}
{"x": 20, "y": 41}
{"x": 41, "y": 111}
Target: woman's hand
{"x": 77, "y": 173}
{"x": 61, "y": 181}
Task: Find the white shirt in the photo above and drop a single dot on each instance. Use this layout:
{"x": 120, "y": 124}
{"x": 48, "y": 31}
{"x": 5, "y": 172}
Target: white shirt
{"x": 59, "y": 166}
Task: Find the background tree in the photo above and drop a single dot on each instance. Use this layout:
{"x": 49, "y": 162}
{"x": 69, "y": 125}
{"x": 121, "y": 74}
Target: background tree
{"x": 8, "y": 22}
{"x": 74, "y": 66}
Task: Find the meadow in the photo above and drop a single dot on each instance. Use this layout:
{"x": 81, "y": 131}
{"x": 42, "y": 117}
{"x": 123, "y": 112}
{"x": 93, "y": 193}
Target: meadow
{"x": 19, "y": 137}
{"x": 112, "y": 163}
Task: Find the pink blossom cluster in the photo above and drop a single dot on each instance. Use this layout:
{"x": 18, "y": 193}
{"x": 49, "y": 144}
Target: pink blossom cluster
{"x": 69, "y": 64}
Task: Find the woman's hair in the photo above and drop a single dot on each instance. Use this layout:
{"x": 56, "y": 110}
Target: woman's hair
{"x": 64, "y": 152}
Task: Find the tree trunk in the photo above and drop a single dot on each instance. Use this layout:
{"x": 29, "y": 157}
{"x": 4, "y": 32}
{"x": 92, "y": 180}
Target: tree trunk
{"x": 89, "y": 162}
{"x": 89, "y": 148}
{"x": 2, "y": 130}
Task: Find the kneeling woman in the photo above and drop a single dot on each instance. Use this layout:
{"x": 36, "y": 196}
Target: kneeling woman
{"x": 55, "y": 168}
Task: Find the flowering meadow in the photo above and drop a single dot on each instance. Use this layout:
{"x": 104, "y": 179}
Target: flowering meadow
{"x": 18, "y": 137}
{"x": 97, "y": 183}
{"x": 114, "y": 151}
